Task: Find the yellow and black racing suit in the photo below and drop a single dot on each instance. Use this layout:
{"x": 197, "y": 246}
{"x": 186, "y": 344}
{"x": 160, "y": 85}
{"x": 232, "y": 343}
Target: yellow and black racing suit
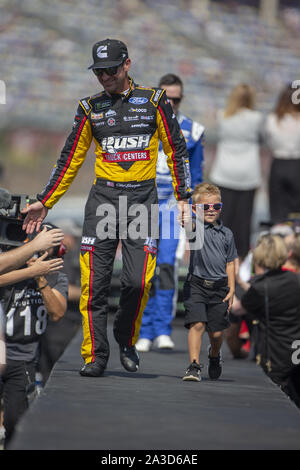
{"x": 126, "y": 130}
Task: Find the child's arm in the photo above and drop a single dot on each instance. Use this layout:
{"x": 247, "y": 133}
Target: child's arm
{"x": 230, "y": 270}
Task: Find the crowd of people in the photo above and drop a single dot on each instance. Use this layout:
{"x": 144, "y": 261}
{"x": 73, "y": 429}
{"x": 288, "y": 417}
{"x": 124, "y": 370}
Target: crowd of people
{"x": 50, "y": 46}
{"x": 267, "y": 316}
{"x": 231, "y": 284}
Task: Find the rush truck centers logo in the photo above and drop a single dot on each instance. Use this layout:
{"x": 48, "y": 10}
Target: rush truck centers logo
{"x": 133, "y": 142}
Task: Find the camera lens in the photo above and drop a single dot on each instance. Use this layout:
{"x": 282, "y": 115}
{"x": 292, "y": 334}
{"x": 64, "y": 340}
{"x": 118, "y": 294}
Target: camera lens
{"x": 14, "y": 232}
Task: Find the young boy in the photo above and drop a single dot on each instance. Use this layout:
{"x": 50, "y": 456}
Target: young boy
{"x": 209, "y": 287}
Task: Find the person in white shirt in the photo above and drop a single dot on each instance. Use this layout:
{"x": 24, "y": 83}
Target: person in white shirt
{"x": 236, "y": 169}
{"x": 282, "y": 131}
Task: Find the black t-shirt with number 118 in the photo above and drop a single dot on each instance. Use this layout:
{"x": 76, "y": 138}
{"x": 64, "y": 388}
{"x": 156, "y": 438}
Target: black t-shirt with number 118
{"x": 26, "y": 316}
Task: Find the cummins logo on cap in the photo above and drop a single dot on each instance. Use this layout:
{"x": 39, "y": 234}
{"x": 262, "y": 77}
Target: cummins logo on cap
{"x": 102, "y": 52}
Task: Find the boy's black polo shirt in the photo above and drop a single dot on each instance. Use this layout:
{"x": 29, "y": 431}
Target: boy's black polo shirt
{"x": 218, "y": 249}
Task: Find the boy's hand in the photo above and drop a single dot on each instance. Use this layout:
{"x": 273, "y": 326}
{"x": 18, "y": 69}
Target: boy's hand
{"x": 229, "y": 299}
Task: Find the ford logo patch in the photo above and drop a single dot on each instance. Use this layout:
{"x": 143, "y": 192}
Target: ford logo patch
{"x": 138, "y": 100}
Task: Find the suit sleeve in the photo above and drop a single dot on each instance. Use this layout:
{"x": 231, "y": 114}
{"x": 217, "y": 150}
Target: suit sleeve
{"x": 175, "y": 149}
{"x": 70, "y": 160}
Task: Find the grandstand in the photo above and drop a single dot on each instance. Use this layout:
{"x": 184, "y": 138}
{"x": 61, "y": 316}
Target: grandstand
{"x": 45, "y": 50}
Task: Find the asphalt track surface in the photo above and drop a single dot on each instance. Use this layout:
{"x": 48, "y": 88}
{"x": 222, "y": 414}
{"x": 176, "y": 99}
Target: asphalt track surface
{"x": 153, "y": 409}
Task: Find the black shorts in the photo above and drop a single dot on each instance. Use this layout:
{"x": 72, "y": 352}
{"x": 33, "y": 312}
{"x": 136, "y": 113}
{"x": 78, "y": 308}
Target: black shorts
{"x": 205, "y": 305}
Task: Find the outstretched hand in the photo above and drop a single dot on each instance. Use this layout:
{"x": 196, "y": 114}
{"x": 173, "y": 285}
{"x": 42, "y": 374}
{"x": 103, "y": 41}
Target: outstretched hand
{"x": 47, "y": 239}
{"x": 36, "y": 213}
{"x": 42, "y": 266}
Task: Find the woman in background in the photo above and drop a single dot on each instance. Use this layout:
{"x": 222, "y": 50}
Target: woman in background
{"x": 237, "y": 169}
{"x": 283, "y": 137}
{"x": 273, "y": 298}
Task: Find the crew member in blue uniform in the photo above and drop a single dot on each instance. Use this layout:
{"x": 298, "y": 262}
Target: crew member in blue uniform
{"x": 161, "y": 307}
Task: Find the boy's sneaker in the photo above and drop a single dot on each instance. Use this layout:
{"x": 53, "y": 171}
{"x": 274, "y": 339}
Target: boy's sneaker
{"x": 143, "y": 345}
{"x": 193, "y": 372}
{"x": 214, "y": 366}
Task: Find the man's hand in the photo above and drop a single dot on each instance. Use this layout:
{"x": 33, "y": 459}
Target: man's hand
{"x": 40, "y": 266}
{"x": 47, "y": 239}
{"x": 36, "y": 213}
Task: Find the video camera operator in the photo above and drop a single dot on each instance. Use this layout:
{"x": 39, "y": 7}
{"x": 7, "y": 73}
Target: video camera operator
{"x": 26, "y": 306}
{"x": 14, "y": 258}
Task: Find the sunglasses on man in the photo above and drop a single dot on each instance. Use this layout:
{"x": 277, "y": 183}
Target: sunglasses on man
{"x": 108, "y": 70}
{"x": 217, "y": 206}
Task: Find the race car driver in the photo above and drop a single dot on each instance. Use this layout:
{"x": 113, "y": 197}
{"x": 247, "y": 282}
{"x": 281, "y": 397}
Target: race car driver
{"x": 127, "y": 122}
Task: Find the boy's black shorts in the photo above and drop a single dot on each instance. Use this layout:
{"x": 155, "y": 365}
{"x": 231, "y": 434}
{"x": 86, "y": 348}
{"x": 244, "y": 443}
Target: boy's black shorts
{"x": 205, "y": 305}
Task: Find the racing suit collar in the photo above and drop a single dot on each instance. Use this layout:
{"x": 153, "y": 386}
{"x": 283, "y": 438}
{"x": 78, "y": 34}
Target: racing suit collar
{"x": 129, "y": 91}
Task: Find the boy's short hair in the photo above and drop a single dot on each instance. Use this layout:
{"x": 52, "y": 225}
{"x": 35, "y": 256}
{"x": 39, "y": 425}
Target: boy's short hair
{"x": 205, "y": 188}
{"x": 270, "y": 252}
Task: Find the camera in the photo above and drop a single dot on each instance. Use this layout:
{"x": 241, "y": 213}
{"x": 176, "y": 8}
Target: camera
{"x": 11, "y": 218}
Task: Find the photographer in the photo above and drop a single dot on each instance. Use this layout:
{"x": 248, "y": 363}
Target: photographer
{"x": 273, "y": 298}
{"x": 26, "y": 306}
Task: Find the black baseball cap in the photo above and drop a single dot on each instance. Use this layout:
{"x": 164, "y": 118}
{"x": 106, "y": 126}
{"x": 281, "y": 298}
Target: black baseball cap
{"x": 108, "y": 53}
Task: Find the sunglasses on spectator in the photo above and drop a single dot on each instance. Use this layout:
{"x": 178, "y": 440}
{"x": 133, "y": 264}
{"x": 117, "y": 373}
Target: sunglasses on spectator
{"x": 109, "y": 71}
{"x": 175, "y": 100}
{"x": 216, "y": 207}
